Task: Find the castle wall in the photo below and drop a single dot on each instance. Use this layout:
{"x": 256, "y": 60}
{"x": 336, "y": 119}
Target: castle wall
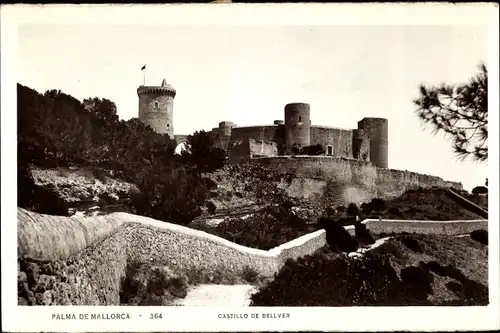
{"x": 246, "y": 149}
{"x": 85, "y": 266}
{"x": 263, "y": 149}
{"x": 349, "y": 181}
{"x": 271, "y": 133}
{"x": 339, "y": 139}
{"x": 263, "y": 133}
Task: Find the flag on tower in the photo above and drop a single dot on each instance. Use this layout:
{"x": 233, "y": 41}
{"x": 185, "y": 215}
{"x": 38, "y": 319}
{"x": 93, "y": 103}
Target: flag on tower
{"x": 143, "y": 68}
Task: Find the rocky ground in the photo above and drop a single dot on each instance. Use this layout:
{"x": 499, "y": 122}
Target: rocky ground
{"x": 85, "y": 191}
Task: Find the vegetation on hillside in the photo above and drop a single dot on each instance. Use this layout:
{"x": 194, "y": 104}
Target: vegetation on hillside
{"x": 406, "y": 270}
{"x": 461, "y": 112}
{"x": 273, "y": 226}
{"x": 281, "y": 220}
{"x": 56, "y": 129}
{"x": 151, "y": 285}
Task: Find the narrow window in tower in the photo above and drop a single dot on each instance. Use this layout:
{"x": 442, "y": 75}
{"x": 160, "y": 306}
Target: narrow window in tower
{"x": 168, "y": 125}
{"x": 300, "y": 118}
{"x": 156, "y": 105}
{"x": 330, "y": 150}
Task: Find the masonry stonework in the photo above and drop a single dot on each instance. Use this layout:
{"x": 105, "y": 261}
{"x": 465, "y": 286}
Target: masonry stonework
{"x": 357, "y": 161}
{"x": 342, "y": 181}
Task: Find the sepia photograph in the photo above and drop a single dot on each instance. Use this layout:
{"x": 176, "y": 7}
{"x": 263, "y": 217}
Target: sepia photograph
{"x": 252, "y": 165}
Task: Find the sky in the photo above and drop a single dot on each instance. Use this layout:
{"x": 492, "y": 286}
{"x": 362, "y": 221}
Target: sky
{"x": 246, "y": 74}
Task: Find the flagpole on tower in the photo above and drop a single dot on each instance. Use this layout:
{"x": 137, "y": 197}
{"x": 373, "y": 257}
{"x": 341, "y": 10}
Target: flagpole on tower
{"x": 144, "y": 78}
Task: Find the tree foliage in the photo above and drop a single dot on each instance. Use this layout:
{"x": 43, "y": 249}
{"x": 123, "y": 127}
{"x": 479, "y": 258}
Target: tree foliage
{"x": 200, "y": 153}
{"x": 461, "y": 112}
{"x": 56, "y": 129}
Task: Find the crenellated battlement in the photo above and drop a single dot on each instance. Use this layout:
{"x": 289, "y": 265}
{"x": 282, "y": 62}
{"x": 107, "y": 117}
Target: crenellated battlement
{"x": 368, "y": 142}
{"x": 152, "y": 90}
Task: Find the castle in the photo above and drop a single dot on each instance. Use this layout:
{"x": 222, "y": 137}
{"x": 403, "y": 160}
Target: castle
{"x": 368, "y": 142}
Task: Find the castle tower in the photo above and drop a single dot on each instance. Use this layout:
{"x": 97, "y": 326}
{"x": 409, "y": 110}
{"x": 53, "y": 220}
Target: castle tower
{"x": 360, "y": 145}
{"x": 224, "y": 132}
{"x": 156, "y": 107}
{"x": 376, "y": 129}
{"x": 297, "y": 126}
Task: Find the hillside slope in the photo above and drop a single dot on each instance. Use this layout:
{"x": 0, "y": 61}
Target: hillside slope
{"x": 406, "y": 270}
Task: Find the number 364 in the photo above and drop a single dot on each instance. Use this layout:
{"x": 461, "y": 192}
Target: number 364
{"x": 155, "y": 316}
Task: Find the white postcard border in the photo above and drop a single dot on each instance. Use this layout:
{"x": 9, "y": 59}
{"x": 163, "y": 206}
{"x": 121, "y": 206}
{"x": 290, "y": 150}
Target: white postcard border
{"x": 18, "y": 318}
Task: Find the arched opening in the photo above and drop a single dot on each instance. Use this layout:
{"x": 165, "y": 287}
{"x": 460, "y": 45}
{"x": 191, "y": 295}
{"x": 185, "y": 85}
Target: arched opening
{"x": 157, "y": 105}
{"x": 180, "y": 147}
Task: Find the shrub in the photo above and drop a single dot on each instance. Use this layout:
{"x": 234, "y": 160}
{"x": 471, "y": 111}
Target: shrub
{"x": 263, "y": 230}
{"x": 366, "y": 208}
{"x": 363, "y": 235}
{"x": 377, "y": 204}
{"x": 202, "y": 154}
{"x": 411, "y": 243}
{"x": 153, "y": 286}
{"x": 250, "y": 275}
{"x": 480, "y": 236}
{"x": 174, "y": 195}
{"x": 43, "y": 200}
{"x": 326, "y": 280}
{"x": 352, "y": 210}
{"x": 480, "y": 190}
{"x": 211, "y": 207}
{"x": 418, "y": 281}
{"x": 330, "y": 211}
{"x": 337, "y": 236}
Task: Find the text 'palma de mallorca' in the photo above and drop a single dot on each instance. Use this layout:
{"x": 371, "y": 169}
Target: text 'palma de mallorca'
{"x": 369, "y": 142}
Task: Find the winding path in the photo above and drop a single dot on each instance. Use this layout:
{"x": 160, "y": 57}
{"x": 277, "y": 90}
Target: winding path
{"x": 217, "y": 295}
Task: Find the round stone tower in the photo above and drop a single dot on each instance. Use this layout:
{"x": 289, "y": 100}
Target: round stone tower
{"x": 156, "y": 107}
{"x": 297, "y": 126}
{"x": 377, "y": 131}
{"x": 224, "y": 130}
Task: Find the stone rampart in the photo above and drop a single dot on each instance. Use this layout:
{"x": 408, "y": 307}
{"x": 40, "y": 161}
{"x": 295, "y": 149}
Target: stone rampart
{"x": 349, "y": 180}
{"x": 340, "y": 140}
{"x": 81, "y": 261}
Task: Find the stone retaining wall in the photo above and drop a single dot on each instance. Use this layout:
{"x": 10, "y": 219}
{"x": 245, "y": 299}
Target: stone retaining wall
{"x": 80, "y": 261}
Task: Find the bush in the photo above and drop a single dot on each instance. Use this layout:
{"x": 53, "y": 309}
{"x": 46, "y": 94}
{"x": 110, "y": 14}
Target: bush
{"x": 480, "y": 190}
{"x": 250, "y": 275}
{"x": 211, "y": 207}
{"x": 327, "y": 280}
{"x": 202, "y": 154}
{"x": 337, "y": 237}
{"x": 363, "y": 235}
{"x": 56, "y": 129}
{"x": 352, "y": 210}
{"x": 153, "y": 286}
{"x": 411, "y": 243}
{"x": 43, "y": 200}
{"x": 174, "y": 195}
{"x": 480, "y": 236}
{"x": 377, "y": 204}
{"x": 264, "y": 230}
